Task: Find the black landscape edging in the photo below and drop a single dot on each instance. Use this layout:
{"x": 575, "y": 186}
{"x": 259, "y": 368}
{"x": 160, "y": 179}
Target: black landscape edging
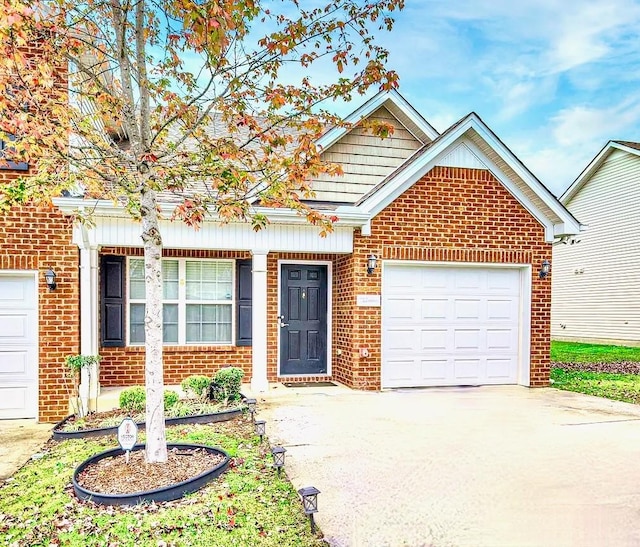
{"x": 166, "y": 493}
{"x": 222, "y": 416}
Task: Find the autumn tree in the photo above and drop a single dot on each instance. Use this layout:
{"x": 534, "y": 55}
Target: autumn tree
{"x": 215, "y": 104}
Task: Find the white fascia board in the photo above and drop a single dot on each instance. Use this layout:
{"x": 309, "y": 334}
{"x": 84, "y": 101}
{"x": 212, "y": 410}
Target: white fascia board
{"x": 335, "y": 133}
{"x": 381, "y": 199}
{"x": 400, "y": 102}
{"x": 571, "y": 224}
{"x": 592, "y": 167}
{"x": 347, "y": 216}
{"x": 368, "y": 108}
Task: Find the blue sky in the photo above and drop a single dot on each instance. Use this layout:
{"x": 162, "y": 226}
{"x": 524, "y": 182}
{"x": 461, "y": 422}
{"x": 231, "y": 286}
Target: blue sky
{"x": 555, "y": 79}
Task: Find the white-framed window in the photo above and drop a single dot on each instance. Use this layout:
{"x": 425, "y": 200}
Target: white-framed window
{"x": 197, "y": 301}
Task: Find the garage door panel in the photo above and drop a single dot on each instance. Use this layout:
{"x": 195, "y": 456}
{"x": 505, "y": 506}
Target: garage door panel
{"x": 401, "y": 309}
{"x": 434, "y": 339}
{"x": 433, "y": 279}
{"x": 433, "y": 308}
{"x": 467, "y": 331}
{"x": 467, "y": 369}
{"x": 403, "y": 339}
{"x": 500, "y": 369}
{"x": 467, "y": 279}
{"x": 501, "y": 339}
{"x": 14, "y": 362}
{"x": 16, "y": 327}
{"x": 503, "y": 280}
{"x": 18, "y": 346}
{"x": 467, "y": 309}
{"x": 434, "y": 369}
{"x": 502, "y": 310}
{"x": 403, "y": 372}
{"x": 467, "y": 339}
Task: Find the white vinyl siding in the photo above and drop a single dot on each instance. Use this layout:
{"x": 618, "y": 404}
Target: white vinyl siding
{"x": 596, "y": 282}
{"x": 365, "y": 159}
{"x": 197, "y": 301}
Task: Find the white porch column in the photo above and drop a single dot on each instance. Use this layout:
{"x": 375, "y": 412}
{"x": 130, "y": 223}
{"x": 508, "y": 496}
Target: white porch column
{"x": 89, "y": 380}
{"x": 259, "y": 322}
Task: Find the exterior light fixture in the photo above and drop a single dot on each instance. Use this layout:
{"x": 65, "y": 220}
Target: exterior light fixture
{"x": 251, "y": 405}
{"x": 278, "y": 457}
{"x": 309, "y": 495}
{"x": 545, "y": 269}
{"x": 372, "y": 262}
{"x": 50, "y": 278}
{"x": 260, "y": 426}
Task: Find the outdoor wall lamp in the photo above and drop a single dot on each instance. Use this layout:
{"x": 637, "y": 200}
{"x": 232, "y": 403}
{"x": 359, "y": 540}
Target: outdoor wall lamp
{"x": 309, "y": 495}
{"x": 278, "y": 457}
{"x": 372, "y": 262}
{"x": 545, "y": 269}
{"x": 50, "y": 278}
{"x": 260, "y": 426}
{"x": 251, "y": 405}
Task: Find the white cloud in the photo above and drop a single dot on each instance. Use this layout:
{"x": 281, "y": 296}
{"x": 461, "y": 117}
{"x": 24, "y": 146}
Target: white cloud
{"x": 581, "y": 124}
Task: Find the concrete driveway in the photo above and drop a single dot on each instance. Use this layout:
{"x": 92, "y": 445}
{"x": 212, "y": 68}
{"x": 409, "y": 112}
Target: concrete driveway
{"x": 19, "y": 440}
{"x": 487, "y": 466}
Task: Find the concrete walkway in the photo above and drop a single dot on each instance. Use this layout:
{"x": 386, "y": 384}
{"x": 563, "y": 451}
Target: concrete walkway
{"x": 19, "y": 440}
{"x": 489, "y": 466}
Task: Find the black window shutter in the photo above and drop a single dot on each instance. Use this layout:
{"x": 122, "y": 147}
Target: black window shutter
{"x": 112, "y": 300}
{"x": 244, "y": 285}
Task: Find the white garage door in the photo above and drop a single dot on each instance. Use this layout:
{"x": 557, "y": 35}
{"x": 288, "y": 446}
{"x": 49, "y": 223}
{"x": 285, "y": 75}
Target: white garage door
{"x": 18, "y": 346}
{"x": 445, "y": 326}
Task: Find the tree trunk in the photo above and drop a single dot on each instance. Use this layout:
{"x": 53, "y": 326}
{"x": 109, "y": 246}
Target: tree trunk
{"x": 156, "y": 447}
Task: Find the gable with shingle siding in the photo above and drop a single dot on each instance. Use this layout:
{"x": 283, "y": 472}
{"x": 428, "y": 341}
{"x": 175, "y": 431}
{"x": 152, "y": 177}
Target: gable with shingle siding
{"x": 366, "y": 159}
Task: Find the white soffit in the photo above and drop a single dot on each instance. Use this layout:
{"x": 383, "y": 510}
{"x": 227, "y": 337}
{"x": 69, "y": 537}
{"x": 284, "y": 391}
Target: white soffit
{"x": 123, "y": 232}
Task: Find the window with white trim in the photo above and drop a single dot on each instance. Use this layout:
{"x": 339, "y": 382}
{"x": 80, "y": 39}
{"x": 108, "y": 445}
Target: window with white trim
{"x": 197, "y": 301}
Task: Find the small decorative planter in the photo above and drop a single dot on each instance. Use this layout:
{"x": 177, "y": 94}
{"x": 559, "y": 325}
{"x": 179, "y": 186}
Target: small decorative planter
{"x": 167, "y": 493}
{"x": 222, "y": 416}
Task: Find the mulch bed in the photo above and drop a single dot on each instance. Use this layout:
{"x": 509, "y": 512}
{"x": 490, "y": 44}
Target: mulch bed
{"x": 620, "y": 367}
{"x": 115, "y": 476}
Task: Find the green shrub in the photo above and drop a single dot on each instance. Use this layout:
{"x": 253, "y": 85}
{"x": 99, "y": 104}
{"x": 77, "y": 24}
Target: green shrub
{"x": 197, "y": 385}
{"x": 170, "y": 398}
{"x": 133, "y": 399}
{"x": 225, "y": 386}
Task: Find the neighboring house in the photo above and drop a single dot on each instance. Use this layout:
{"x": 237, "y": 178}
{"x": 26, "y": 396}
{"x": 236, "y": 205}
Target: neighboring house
{"x": 453, "y": 227}
{"x": 596, "y": 277}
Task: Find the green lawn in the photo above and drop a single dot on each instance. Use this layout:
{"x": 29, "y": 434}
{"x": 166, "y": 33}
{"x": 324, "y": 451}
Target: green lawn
{"x": 248, "y": 505}
{"x": 573, "y": 352}
{"x": 604, "y": 371}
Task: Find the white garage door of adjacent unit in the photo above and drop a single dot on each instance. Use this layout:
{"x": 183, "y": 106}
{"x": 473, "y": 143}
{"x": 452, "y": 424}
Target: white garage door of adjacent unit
{"x": 18, "y": 346}
{"x": 447, "y": 326}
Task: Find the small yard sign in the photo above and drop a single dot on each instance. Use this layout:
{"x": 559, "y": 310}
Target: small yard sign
{"x": 127, "y": 436}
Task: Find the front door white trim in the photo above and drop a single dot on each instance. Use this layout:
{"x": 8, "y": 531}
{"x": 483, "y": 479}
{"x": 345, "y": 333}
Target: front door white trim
{"x": 329, "y": 265}
{"x": 524, "y": 319}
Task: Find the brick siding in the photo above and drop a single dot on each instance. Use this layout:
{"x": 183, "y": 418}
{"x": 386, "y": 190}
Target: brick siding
{"x": 450, "y": 215}
{"x": 37, "y": 238}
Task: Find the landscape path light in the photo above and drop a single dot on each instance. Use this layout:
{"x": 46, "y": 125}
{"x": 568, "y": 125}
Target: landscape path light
{"x": 251, "y": 405}
{"x": 309, "y": 495}
{"x": 260, "y": 426}
{"x": 278, "y": 457}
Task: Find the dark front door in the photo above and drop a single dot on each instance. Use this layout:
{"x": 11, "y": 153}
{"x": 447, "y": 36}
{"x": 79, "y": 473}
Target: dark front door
{"x": 303, "y": 323}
